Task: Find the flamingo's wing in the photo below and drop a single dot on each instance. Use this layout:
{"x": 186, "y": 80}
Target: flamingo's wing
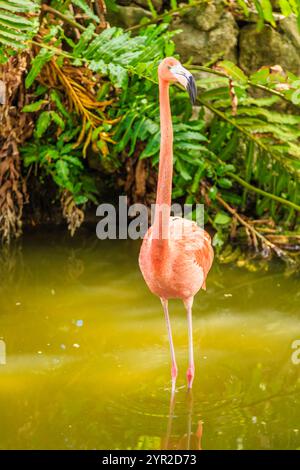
{"x": 204, "y": 255}
{"x": 196, "y": 242}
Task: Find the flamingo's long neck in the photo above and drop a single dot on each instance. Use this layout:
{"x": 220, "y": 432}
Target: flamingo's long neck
{"x": 165, "y": 172}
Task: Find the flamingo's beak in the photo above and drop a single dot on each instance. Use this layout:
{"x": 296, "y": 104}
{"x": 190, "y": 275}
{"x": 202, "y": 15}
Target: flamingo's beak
{"x": 186, "y": 79}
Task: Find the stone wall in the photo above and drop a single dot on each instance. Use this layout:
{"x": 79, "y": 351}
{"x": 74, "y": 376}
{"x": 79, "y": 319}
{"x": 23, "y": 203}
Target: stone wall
{"x": 211, "y": 32}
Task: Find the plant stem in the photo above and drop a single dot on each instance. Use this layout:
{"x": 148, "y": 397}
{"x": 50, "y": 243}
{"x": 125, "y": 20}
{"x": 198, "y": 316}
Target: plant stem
{"x": 279, "y": 252}
{"x": 264, "y": 193}
{"x": 249, "y": 82}
{"x": 65, "y": 18}
{"x": 51, "y": 48}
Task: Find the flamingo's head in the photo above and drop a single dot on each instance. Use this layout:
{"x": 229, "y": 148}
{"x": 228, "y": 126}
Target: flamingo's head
{"x": 171, "y": 70}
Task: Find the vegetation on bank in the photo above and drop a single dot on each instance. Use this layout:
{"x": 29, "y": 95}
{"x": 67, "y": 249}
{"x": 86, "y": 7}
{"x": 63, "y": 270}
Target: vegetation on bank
{"x": 79, "y": 112}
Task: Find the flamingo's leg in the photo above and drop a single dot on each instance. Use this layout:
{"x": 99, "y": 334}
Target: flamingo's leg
{"x": 170, "y": 422}
{"x": 174, "y": 369}
{"x": 191, "y": 369}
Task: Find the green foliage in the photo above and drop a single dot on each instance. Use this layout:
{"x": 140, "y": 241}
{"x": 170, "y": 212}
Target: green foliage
{"x": 63, "y": 165}
{"x": 265, "y": 10}
{"x": 119, "y": 58}
{"x": 83, "y": 5}
{"x": 33, "y": 107}
{"x": 244, "y": 7}
{"x": 222, "y": 219}
{"x": 233, "y": 71}
{"x": 38, "y": 62}
{"x": 116, "y": 54}
{"x": 245, "y": 153}
{"x": 16, "y": 25}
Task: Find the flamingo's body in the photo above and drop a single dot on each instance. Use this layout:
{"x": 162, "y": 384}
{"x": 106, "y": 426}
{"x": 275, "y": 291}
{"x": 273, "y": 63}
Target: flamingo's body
{"x": 180, "y": 271}
{"x": 176, "y": 254}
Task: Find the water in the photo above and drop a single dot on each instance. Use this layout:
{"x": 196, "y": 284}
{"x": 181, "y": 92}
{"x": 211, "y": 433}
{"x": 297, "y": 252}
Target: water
{"x": 87, "y": 364}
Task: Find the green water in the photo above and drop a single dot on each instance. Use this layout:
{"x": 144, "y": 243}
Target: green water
{"x": 87, "y": 364}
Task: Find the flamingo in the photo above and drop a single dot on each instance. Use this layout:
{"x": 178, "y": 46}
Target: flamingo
{"x": 176, "y": 254}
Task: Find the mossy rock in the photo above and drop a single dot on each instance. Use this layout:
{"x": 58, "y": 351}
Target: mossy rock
{"x": 205, "y": 46}
{"x": 268, "y": 47}
{"x": 128, "y": 16}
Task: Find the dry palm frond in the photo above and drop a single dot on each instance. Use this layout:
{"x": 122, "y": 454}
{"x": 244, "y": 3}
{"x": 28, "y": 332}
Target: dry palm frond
{"x": 79, "y": 86}
{"x": 71, "y": 212}
{"x": 15, "y": 128}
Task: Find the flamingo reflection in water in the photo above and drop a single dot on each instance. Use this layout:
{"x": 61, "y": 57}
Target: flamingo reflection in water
{"x": 190, "y": 440}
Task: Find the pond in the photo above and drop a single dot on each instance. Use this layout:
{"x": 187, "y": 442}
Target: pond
{"x": 87, "y": 356}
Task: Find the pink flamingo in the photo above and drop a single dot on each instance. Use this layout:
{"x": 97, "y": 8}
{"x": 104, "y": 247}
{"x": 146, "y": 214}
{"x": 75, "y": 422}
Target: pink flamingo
{"x": 176, "y": 254}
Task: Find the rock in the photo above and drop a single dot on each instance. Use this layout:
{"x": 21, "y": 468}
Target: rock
{"x": 190, "y": 42}
{"x": 204, "y": 17}
{"x": 127, "y": 16}
{"x": 204, "y": 46}
{"x": 224, "y": 38}
{"x": 289, "y": 26}
{"x": 267, "y": 47}
{"x": 144, "y": 3}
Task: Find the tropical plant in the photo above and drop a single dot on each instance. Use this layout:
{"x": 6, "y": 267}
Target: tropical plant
{"x": 92, "y": 93}
{"x": 19, "y": 22}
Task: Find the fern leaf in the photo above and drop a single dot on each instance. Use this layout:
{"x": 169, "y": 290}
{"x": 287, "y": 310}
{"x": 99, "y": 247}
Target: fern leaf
{"x": 19, "y": 22}
{"x": 19, "y": 7}
{"x": 42, "y": 124}
{"x": 285, "y": 7}
{"x": 261, "y": 17}
{"x": 83, "y": 5}
{"x": 84, "y": 40}
{"x": 268, "y": 11}
{"x": 271, "y": 116}
{"x": 37, "y": 64}
{"x": 244, "y": 7}
{"x": 233, "y": 71}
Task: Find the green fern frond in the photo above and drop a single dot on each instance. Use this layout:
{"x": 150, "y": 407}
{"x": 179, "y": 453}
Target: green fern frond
{"x": 19, "y": 22}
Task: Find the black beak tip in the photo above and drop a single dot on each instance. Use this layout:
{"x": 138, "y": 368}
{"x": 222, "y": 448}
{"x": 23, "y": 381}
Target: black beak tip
{"x": 192, "y": 89}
